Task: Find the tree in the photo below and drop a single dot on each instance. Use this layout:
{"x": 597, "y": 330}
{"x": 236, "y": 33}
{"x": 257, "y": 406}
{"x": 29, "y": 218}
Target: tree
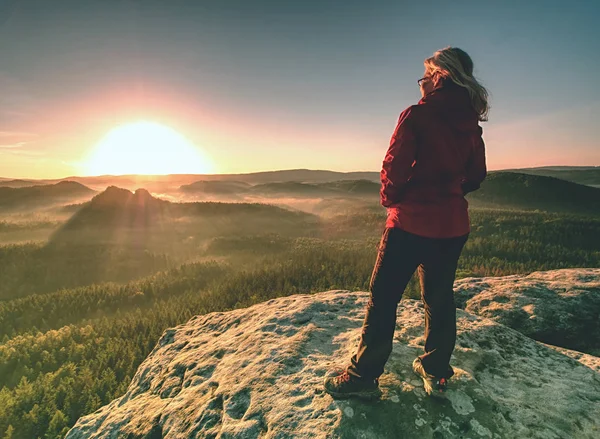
{"x": 10, "y": 431}
{"x": 58, "y": 426}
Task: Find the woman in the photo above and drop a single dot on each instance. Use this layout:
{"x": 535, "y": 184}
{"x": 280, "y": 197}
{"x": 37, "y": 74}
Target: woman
{"x": 436, "y": 156}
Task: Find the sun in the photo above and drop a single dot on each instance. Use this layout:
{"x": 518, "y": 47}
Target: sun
{"x": 146, "y": 148}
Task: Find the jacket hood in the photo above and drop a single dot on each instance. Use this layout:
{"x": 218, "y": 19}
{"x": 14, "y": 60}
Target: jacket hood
{"x": 452, "y": 103}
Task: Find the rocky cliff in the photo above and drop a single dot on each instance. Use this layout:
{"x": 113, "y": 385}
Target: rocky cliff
{"x": 559, "y": 307}
{"x": 258, "y": 372}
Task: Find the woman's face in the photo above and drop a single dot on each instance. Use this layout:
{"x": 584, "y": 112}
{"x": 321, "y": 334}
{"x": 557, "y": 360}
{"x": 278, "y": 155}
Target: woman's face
{"x": 427, "y": 85}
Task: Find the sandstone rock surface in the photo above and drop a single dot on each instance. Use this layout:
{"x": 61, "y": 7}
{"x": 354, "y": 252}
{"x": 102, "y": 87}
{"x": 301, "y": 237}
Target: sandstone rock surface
{"x": 258, "y": 372}
{"x": 558, "y": 307}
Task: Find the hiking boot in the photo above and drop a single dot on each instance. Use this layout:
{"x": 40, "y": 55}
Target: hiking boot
{"x": 343, "y": 385}
{"x": 434, "y": 386}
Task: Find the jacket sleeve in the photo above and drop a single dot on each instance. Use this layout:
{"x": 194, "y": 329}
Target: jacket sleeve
{"x": 399, "y": 160}
{"x": 476, "y": 169}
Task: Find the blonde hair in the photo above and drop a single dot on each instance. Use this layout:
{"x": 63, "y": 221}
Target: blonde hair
{"x": 455, "y": 64}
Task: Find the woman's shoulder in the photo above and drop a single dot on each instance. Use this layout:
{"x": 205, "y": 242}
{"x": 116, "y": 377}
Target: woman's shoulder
{"x": 411, "y": 114}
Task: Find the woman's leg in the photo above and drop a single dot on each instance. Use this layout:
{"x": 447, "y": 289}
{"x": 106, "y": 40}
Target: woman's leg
{"x": 396, "y": 262}
{"x": 436, "y": 275}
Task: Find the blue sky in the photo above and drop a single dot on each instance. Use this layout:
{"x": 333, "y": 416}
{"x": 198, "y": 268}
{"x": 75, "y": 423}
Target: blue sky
{"x": 278, "y": 85}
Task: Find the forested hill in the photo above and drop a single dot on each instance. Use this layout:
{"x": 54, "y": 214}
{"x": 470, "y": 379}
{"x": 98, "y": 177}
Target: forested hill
{"x": 533, "y": 192}
{"x": 12, "y": 198}
{"x": 286, "y": 188}
{"x": 117, "y": 207}
{"x": 215, "y": 187}
{"x": 15, "y": 183}
{"x": 588, "y": 175}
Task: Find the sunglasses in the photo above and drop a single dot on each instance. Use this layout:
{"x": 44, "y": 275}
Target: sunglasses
{"x": 423, "y": 79}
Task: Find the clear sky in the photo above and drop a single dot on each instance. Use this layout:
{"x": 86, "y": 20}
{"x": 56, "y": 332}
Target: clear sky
{"x": 263, "y": 85}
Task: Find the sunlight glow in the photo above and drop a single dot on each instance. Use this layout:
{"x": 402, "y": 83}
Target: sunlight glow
{"x": 146, "y": 148}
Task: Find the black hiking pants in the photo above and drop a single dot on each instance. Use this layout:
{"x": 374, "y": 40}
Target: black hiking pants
{"x": 400, "y": 253}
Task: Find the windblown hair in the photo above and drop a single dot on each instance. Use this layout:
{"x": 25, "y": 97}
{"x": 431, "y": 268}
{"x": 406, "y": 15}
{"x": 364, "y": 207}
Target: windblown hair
{"x": 455, "y": 64}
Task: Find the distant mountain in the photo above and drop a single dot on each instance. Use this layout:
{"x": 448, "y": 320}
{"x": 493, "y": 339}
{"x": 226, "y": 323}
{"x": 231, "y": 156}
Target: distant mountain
{"x": 588, "y": 175}
{"x": 290, "y": 188}
{"x": 285, "y": 188}
{"x": 18, "y": 183}
{"x": 301, "y": 175}
{"x": 117, "y": 197}
{"x": 529, "y": 192}
{"x": 117, "y": 214}
{"x": 356, "y": 187}
{"x": 559, "y": 168}
{"x": 155, "y": 183}
{"x": 118, "y": 207}
{"x": 216, "y": 187}
{"x": 282, "y": 176}
{"x": 158, "y": 183}
{"x": 232, "y": 184}
{"x": 327, "y": 189}
{"x": 34, "y": 197}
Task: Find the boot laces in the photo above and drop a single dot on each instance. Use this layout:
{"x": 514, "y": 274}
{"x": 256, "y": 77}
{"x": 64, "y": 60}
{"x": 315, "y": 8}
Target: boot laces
{"x": 441, "y": 384}
{"x": 345, "y": 377}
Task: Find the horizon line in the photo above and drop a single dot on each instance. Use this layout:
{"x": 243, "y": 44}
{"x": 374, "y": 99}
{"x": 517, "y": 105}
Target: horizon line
{"x": 267, "y": 171}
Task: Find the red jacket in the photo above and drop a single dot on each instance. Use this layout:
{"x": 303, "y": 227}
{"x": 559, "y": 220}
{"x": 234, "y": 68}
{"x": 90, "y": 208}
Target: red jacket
{"x": 436, "y": 156}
